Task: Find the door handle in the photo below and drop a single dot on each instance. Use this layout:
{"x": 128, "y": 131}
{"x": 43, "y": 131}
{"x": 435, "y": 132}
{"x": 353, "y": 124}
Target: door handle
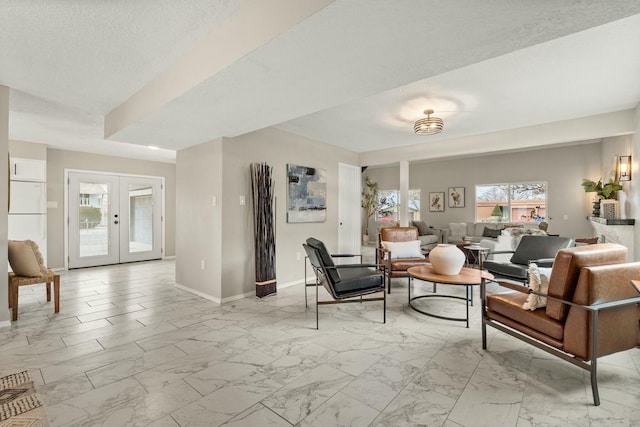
{"x": 115, "y": 222}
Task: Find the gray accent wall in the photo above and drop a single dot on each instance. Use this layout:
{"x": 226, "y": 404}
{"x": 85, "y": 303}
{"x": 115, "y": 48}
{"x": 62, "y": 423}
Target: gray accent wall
{"x": 59, "y": 160}
{"x": 562, "y": 168}
{"x": 234, "y": 234}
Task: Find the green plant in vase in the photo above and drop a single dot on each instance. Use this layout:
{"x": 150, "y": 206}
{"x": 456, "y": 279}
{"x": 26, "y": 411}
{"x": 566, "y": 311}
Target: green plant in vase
{"x": 603, "y": 191}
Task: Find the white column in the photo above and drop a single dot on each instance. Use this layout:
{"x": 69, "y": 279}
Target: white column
{"x": 4, "y": 195}
{"x": 403, "y": 211}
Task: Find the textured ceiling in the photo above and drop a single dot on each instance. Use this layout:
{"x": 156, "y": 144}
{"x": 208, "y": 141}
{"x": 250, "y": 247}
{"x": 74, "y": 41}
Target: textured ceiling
{"x": 355, "y": 74}
{"x": 584, "y": 74}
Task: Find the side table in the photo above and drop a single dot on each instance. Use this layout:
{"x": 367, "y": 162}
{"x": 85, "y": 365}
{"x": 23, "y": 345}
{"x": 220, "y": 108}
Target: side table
{"x": 477, "y": 254}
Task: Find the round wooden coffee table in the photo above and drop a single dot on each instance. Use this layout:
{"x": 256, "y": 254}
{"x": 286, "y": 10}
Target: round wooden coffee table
{"x": 468, "y": 277}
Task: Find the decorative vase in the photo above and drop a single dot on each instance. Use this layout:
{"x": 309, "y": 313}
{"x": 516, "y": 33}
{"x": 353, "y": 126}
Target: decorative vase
{"x": 447, "y": 259}
{"x": 622, "y": 200}
{"x": 609, "y": 209}
{"x": 596, "y": 208}
{"x": 264, "y": 231}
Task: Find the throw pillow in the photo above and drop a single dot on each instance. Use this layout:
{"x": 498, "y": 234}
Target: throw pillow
{"x": 25, "y": 258}
{"x": 458, "y": 228}
{"x": 539, "y": 282}
{"x": 423, "y": 228}
{"x": 410, "y": 249}
{"x": 491, "y": 232}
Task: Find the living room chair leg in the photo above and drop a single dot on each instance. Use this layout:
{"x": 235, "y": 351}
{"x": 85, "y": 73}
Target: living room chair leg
{"x": 317, "y": 315}
{"x": 384, "y": 307}
{"x": 484, "y": 334}
{"x": 48, "y": 291}
{"x": 14, "y": 303}
{"x": 594, "y": 358}
{"x": 56, "y": 293}
{"x": 594, "y": 383}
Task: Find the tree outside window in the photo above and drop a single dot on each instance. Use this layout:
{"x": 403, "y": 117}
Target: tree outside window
{"x": 389, "y": 203}
{"x": 522, "y": 202}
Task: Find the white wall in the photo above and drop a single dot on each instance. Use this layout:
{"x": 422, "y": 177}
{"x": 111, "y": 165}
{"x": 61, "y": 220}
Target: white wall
{"x": 198, "y": 222}
{"x": 612, "y": 148}
{"x": 277, "y": 148}
{"x": 562, "y": 168}
{"x": 633, "y": 193}
{"x": 4, "y": 195}
{"x": 59, "y": 160}
{"x": 201, "y": 228}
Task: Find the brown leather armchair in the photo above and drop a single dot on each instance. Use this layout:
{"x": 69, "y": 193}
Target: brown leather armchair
{"x": 592, "y": 308}
{"x": 397, "y": 267}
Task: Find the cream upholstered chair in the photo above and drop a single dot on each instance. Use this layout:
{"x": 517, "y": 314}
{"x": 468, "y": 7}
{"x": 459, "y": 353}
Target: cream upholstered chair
{"x": 395, "y": 259}
{"x": 28, "y": 269}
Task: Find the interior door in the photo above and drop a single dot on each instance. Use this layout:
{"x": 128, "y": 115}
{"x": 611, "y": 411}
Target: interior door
{"x": 349, "y": 215}
{"x": 113, "y": 219}
{"x": 93, "y": 220}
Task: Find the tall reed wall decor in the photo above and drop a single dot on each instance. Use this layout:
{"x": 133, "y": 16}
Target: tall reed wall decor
{"x": 262, "y": 189}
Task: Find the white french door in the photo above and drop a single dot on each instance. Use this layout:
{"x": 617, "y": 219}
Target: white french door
{"x": 113, "y": 219}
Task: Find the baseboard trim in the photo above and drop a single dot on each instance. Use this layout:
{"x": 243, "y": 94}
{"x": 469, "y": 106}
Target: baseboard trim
{"x": 198, "y": 293}
{"x": 5, "y": 324}
{"x": 169, "y": 257}
{"x": 239, "y": 296}
{"x": 243, "y": 295}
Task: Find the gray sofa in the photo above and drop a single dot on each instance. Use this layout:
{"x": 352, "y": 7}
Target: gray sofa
{"x": 475, "y": 232}
{"x": 472, "y": 232}
{"x": 429, "y": 236}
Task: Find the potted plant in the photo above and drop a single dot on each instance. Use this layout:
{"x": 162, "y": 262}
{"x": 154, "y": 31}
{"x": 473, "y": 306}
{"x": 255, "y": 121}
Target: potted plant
{"x": 606, "y": 191}
{"x": 369, "y": 202}
{"x": 603, "y": 191}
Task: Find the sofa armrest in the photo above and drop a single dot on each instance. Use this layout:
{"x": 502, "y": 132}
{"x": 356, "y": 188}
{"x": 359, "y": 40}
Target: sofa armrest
{"x": 516, "y": 286}
{"x": 543, "y": 262}
{"x": 337, "y": 267}
{"x": 345, "y": 255}
{"x": 441, "y": 233}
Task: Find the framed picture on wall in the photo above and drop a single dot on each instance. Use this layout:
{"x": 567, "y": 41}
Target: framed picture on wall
{"x": 456, "y": 197}
{"x": 436, "y": 202}
{"x": 306, "y": 194}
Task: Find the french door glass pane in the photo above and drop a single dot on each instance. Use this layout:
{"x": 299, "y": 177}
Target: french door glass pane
{"x": 140, "y": 218}
{"x": 94, "y": 217}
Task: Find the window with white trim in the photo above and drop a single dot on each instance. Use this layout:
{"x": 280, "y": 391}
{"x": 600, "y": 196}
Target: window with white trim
{"x": 389, "y": 203}
{"x": 520, "y": 202}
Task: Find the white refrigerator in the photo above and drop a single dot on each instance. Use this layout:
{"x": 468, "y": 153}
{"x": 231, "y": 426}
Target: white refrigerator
{"x": 28, "y": 213}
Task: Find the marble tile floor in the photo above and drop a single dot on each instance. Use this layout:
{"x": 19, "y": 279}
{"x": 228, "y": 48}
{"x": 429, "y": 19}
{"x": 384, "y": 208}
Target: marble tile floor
{"x": 130, "y": 349}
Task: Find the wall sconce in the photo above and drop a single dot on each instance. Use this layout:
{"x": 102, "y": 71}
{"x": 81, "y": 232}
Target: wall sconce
{"x": 624, "y": 168}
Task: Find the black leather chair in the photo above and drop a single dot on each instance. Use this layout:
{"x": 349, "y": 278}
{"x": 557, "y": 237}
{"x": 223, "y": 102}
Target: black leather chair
{"x": 344, "y": 282}
{"x": 539, "y": 249}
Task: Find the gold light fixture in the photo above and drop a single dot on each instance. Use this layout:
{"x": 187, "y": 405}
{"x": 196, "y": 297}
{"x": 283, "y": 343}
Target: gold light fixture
{"x": 624, "y": 168}
{"x": 428, "y": 125}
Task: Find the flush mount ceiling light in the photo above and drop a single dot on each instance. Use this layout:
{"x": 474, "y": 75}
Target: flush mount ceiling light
{"x": 428, "y": 125}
